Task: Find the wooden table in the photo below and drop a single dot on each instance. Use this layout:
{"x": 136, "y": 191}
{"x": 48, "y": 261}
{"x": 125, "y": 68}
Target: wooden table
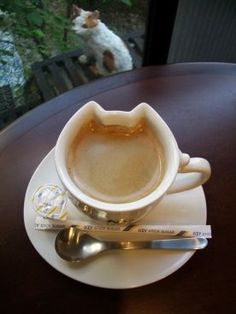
{"x": 198, "y": 101}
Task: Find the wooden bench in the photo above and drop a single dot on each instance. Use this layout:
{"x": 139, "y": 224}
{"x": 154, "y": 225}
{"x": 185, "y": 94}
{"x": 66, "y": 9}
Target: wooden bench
{"x": 7, "y": 106}
{"x": 59, "y": 74}
{"x": 12, "y": 107}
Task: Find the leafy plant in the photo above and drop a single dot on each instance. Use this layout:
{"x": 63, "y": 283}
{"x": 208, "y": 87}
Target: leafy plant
{"x": 32, "y": 19}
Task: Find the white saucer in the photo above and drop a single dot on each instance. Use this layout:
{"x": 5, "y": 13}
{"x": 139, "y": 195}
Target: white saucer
{"x": 117, "y": 269}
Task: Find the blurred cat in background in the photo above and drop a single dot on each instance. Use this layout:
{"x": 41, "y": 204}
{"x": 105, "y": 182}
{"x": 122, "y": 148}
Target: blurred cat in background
{"x": 110, "y": 52}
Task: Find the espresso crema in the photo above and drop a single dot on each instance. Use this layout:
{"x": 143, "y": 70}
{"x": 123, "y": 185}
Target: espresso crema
{"x": 115, "y": 164}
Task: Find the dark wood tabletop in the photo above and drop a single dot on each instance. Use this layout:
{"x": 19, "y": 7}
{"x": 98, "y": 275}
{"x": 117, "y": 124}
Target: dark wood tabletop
{"x": 198, "y": 102}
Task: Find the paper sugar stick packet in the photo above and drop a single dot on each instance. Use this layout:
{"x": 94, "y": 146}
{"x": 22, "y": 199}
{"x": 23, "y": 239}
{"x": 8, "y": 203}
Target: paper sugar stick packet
{"x": 163, "y": 230}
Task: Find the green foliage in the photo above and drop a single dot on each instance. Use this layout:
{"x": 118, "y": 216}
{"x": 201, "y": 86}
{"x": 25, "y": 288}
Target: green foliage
{"x": 127, "y": 2}
{"x": 35, "y": 19}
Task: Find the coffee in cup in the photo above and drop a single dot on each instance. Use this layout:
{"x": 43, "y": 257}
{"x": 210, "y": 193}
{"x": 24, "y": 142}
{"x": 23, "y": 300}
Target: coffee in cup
{"x": 115, "y": 163}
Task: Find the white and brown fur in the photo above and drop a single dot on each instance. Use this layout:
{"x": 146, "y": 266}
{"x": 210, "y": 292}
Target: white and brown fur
{"x": 109, "y": 50}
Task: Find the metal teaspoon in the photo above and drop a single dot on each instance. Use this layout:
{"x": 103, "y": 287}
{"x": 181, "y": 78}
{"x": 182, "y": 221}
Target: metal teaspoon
{"x": 73, "y": 245}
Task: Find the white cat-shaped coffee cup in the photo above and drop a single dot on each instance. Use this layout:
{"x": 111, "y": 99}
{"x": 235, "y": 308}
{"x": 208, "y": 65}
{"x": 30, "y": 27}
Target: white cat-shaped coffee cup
{"x": 194, "y": 171}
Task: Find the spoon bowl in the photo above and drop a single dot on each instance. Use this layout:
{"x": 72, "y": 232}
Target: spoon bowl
{"x": 73, "y": 245}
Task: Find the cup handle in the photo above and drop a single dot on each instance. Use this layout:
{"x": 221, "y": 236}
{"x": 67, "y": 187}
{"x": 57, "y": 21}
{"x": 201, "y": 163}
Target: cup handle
{"x": 192, "y": 173}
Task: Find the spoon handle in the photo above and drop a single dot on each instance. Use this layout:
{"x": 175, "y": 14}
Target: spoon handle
{"x": 170, "y": 244}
